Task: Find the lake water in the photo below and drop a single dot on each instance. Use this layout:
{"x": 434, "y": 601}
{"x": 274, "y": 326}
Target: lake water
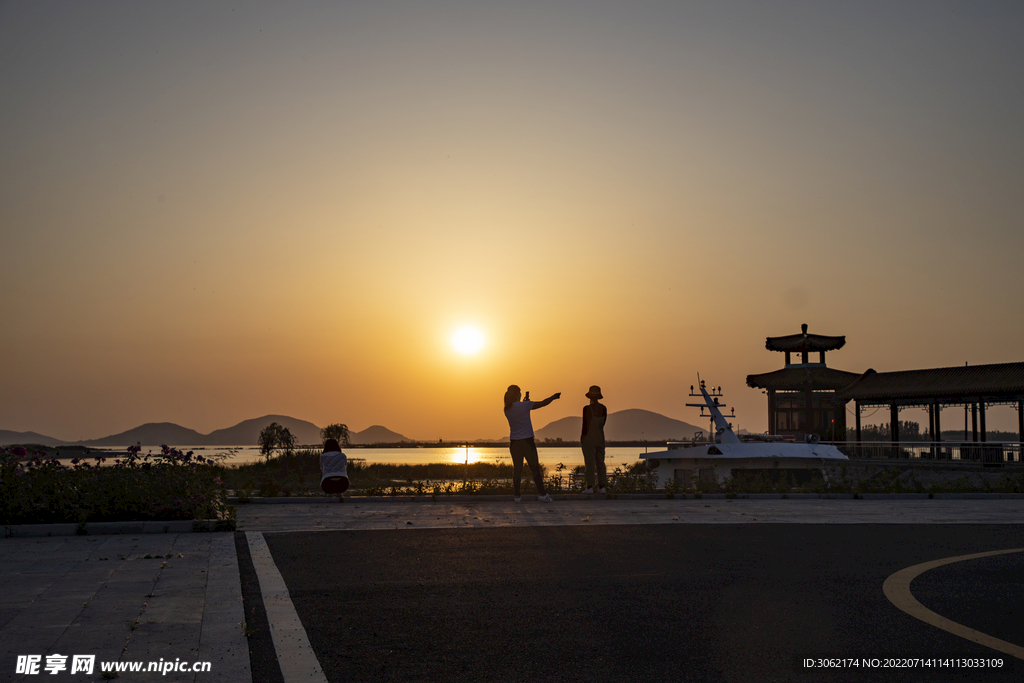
{"x": 550, "y": 457}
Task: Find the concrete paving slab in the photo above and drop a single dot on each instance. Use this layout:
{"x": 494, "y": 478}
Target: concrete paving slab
{"x": 81, "y": 595}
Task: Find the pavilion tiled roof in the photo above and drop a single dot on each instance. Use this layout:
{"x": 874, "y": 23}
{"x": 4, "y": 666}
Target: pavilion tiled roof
{"x": 803, "y": 377}
{"x": 1001, "y": 380}
{"x": 804, "y": 342}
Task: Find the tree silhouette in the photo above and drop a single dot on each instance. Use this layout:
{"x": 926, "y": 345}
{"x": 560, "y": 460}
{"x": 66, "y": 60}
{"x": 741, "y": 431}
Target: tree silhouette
{"x": 275, "y": 437}
{"x": 335, "y": 431}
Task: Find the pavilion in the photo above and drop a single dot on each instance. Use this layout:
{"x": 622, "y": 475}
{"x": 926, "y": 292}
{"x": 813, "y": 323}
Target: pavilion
{"x": 802, "y": 396}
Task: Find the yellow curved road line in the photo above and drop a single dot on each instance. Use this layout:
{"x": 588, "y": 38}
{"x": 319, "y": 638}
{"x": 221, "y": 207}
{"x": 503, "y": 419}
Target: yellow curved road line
{"x": 897, "y": 589}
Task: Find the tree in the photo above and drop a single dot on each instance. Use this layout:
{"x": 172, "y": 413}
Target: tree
{"x": 336, "y": 431}
{"x": 275, "y": 437}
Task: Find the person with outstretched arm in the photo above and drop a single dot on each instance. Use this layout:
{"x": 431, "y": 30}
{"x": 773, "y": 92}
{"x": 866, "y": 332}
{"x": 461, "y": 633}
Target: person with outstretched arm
{"x": 521, "y": 443}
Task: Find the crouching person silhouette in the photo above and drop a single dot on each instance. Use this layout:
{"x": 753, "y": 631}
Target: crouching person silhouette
{"x": 333, "y": 469}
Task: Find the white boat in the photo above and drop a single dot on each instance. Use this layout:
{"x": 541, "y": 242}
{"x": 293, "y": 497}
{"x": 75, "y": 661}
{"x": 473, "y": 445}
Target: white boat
{"x": 726, "y": 455}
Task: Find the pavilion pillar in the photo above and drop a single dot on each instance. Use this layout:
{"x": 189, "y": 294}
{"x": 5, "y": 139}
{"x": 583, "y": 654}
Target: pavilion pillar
{"x": 772, "y": 420}
{"x": 974, "y": 422}
{"x": 809, "y": 409}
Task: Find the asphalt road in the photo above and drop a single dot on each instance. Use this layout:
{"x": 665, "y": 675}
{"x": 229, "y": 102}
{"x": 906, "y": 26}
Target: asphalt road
{"x": 648, "y": 602}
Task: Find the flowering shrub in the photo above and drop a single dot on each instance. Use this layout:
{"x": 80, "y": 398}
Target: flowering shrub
{"x": 170, "y": 485}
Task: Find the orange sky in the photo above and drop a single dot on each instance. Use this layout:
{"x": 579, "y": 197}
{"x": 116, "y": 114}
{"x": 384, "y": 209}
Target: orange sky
{"x": 208, "y": 214}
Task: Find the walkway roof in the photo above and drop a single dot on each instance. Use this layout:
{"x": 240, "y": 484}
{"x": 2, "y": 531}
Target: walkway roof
{"x": 998, "y": 383}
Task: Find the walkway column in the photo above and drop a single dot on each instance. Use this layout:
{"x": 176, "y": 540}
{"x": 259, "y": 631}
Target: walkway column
{"x": 1020, "y": 430}
{"x": 931, "y": 428}
{"x": 894, "y": 427}
{"x": 938, "y": 426}
{"x": 1020, "y": 421}
{"x": 981, "y": 409}
{"x": 857, "y": 405}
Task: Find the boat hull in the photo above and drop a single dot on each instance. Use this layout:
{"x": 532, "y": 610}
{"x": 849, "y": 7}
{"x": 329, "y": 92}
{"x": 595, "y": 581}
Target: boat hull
{"x": 700, "y": 463}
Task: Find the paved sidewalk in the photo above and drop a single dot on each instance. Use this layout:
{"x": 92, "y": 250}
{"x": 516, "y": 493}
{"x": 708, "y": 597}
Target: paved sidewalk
{"x": 355, "y": 515}
{"x": 102, "y": 596}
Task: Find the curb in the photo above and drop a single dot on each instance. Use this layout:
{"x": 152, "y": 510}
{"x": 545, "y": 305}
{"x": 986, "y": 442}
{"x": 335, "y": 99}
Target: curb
{"x": 485, "y": 498}
{"x": 504, "y": 498}
{"x": 105, "y": 528}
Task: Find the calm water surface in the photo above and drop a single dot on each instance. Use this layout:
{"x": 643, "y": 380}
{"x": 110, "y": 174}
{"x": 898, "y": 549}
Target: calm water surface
{"x": 550, "y": 457}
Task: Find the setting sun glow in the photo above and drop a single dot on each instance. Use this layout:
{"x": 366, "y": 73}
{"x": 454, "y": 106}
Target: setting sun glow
{"x": 468, "y": 340}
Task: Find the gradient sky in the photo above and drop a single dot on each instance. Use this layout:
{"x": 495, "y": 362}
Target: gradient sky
{"x": 213, "y": 211}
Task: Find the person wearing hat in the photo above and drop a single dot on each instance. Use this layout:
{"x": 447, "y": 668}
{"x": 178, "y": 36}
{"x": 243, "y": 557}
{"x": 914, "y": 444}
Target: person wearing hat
{"x": 521, "y": 442}
{"x": 592, "y": 440}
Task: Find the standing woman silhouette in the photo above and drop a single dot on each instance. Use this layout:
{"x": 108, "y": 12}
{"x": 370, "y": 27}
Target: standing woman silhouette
{"x": 595, "y": 415}
{"x": 521, "y": 444}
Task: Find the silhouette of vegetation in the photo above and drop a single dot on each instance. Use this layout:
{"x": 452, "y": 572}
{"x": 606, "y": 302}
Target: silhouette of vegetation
{"x": 170, "y": 485}
{"x": 909, "y": 431}
{"x": 274, "y": 437}
{"x": 336, "y": 431}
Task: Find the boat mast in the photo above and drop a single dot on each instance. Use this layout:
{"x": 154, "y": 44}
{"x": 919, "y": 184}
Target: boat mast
{"x": 723, "y": 430}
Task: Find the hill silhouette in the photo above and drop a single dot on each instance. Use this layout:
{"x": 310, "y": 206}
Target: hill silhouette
{"x": 151, "y": 434}
{"x": 8, "y": 437}
{"x": 632, "y": 424}
{"x": 375, "y": 434}
{"x": 247, "y": 432}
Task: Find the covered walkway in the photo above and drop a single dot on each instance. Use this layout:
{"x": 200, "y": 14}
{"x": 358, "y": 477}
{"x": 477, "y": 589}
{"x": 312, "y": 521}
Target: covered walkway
{"x": 976, "y": 387}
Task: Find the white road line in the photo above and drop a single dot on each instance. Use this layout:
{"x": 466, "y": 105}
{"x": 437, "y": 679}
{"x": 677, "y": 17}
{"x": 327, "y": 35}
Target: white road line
{"x": 897, "y": 589}
{"x": 294, "y": 653}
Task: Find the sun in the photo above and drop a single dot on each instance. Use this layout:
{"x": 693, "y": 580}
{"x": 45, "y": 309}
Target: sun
{"x": 468, "y": 340}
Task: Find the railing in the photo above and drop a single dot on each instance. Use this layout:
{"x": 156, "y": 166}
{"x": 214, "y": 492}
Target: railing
{"x": 970, "y": 451}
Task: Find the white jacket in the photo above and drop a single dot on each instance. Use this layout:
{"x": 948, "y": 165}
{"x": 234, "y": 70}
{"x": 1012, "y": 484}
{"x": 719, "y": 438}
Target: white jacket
{"x": 333, "y": 464}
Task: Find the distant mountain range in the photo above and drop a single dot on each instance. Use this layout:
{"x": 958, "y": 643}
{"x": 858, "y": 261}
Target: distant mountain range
{"x": 624, "y": 425}
{"x": 9, "y": 437}
{"x": 245, "y": 433}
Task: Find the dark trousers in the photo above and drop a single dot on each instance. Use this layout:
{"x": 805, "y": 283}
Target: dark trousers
{"x": 334, "y": 485}
{"x": 593, "y": 459}
{"x": 520, "y": 449}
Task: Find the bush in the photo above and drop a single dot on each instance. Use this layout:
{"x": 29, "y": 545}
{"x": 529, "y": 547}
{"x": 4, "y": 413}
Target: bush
{"x": 168, "y": 486}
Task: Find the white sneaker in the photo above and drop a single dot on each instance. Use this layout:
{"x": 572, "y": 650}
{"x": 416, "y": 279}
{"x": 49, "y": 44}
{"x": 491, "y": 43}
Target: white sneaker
{"x": 546, "y": 498}
{"x": 602, "y": 490}
{"x": 587, "y": 490}
{"x": 519, "y": 499}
